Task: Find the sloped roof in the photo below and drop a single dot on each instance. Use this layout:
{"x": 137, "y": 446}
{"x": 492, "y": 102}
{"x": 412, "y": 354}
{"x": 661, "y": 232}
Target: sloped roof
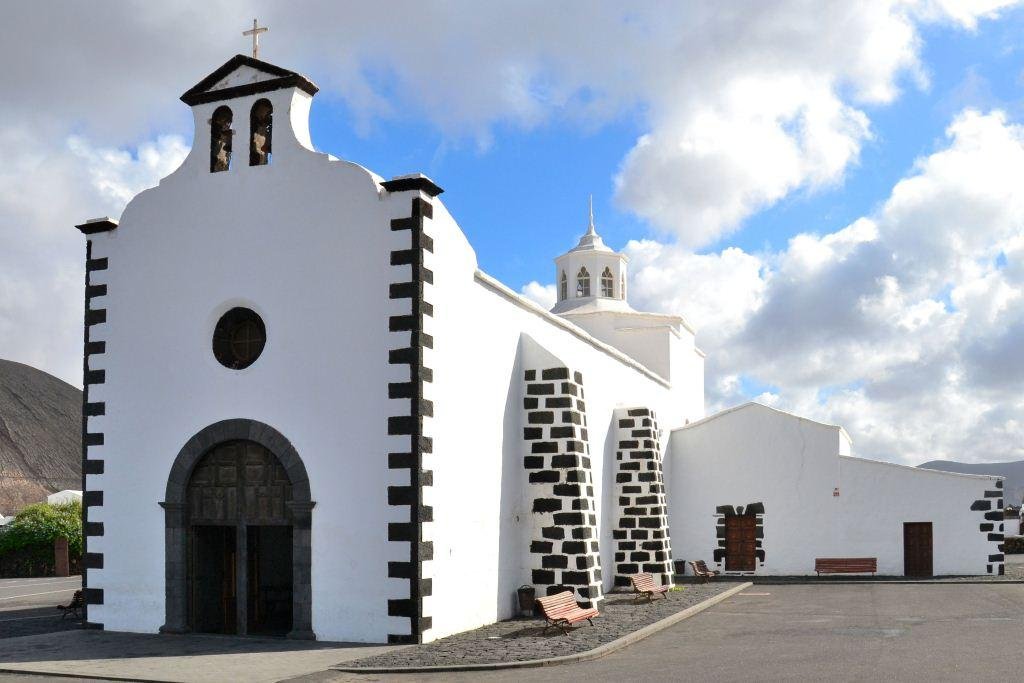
{"x": 754, "y": 405}
{"x": 279, "y": 78}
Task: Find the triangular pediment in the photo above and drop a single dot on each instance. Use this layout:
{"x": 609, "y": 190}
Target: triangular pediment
{"x": 241, "y": 76}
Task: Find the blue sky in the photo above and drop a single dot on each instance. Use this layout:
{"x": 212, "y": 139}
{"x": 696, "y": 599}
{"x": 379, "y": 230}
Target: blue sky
{"x": 522, "y": 198}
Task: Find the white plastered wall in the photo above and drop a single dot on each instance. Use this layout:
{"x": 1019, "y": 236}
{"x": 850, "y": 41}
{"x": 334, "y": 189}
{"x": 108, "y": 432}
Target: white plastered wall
{"x": 794, "y": 467}
{"x": 479, "y": 493}
{"x": 303, "y": 241}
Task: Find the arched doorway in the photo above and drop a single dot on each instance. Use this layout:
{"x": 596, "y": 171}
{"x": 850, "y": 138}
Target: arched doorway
{"x": 238, "y": 534}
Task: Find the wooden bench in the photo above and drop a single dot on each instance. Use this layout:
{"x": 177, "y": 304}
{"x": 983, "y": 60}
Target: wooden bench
{"x": 644, "y": 586}
{"x": 74, "y": 607}
{"x": 701, "y": 570}
{"x": 561, "y": 610}
{"x": 845, "y": 565}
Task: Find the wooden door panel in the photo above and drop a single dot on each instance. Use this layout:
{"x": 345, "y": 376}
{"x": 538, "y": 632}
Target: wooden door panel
{"x": 917, "y": 549}
{"x": 740, "y": 543}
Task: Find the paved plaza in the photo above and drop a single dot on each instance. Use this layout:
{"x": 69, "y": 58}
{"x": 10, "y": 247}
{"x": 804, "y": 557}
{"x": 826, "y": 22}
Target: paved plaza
{"x": 835, "y": 632}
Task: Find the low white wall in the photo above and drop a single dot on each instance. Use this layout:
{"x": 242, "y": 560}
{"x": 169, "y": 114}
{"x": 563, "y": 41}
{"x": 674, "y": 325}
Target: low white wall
{"x": 754, "y": 454}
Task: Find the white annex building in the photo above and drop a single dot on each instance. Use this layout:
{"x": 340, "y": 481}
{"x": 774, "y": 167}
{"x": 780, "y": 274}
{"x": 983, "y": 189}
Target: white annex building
{"x": 309, "y": 412}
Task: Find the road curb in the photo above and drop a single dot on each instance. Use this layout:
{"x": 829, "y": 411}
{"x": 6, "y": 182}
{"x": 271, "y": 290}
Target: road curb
{"x": 597, "y": 652}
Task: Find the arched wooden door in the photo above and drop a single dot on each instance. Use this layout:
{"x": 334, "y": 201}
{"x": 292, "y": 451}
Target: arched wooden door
{"x": 239, "y": 541}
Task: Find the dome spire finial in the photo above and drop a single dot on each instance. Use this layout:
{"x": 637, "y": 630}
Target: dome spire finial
{"x": 590, "y": 230}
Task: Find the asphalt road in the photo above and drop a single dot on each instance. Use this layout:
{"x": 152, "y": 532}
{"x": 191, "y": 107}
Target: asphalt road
{"x": 28, "y": 606}
{"x": 910, "y": 632}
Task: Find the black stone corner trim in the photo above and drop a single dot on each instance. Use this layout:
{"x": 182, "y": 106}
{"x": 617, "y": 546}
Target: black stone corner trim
{"x": 416, "y": 410}
{"x": 993, "y": 512}
{"x": 413, "y": 182}
{"x": 92, "y": 466}
{"x": 97, "y": 225}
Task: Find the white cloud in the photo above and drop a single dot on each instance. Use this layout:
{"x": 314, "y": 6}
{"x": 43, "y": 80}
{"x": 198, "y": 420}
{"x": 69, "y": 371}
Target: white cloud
{"x": 903, "y": 326}
{"x": 43, "y": 256}
{"x": 545, "y": 295}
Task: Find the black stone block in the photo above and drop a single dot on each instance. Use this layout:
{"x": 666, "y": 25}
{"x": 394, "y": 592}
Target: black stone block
{"x": 617, "y": 534}
{"x": 541, "y": 547}
{"x": 996, "y": 537}
{"x": 541, "y": 417}
{"x": 629, "y": 467}
{"x": 547, "y": 505}
{"x": 632, "y": 489}
{"x": 534, "y": 462}
{"x": 565, "y": 461}
{"x": 981, "y": 505}
{"x": 555, "y": 532}
{"x": 996, "y": 516}
{"x": 530, "y": 375}
{"x": 622, "y": 477}
{"x": 554, "y": 562}
{"x": 995, "y": 558}
{"x": 574, "y": 578}
{"x": 646, "y": 476}
{"x": 563, "y": 432}
{"x": 640, "y": 534}
{"x": 540, "y": 389}
{"x": 544, "y": 447}
{"x": 554, "y": 373}
{"x": 530, "y": 403}
{"x": 570, "y": 518}
{"x": 558, "y": 402}
{"x": 543, "y": 576}
{"x": 544, "y": 477}
{"x": 574, "y": 547}
{"x": 567, "y": 489}
{"x": 627, "y": 523}
{"x": 725, "y": 510}
{"x": 986, "y": 526}
{"x": 650, "y": 522}
{"x": 640, "y": 556}
{"x": 627, "y": 569}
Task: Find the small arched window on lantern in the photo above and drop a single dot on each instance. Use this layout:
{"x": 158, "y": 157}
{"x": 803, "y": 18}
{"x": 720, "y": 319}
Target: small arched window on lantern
{"x": 607, "y": 283}
{"x": 261, "y": 128}
{"x": 563, "y": 288}
{"x": 583, "y": 283}
{"x": 220, "y": 140}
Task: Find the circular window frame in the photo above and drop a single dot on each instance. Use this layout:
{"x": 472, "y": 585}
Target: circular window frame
{"x": 239, "y": 338}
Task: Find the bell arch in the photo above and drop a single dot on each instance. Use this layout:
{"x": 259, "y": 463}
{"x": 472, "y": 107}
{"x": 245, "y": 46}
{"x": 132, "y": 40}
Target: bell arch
{"x": 176, "y": 520}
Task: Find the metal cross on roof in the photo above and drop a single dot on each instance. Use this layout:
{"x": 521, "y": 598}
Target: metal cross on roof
{"x": 255, "y": 33}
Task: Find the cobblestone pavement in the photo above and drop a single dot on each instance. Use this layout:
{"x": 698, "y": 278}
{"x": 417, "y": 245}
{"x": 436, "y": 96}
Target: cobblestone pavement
{"x": 28, "y": 606}
{"x": 523, "y": 639}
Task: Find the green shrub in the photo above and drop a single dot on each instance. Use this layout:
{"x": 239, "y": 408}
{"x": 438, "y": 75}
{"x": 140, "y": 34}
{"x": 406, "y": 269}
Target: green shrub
{"x": 40, "y": 524}
{"x": 1013, "y": 545}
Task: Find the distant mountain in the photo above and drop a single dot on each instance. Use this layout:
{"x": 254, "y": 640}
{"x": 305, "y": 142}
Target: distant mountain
{"x": 40, "y": 436}
{"x": 1013, "y": 471}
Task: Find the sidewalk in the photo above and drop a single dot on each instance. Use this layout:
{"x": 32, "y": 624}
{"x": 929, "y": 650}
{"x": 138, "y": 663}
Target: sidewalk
{"x": 199, "y": 658}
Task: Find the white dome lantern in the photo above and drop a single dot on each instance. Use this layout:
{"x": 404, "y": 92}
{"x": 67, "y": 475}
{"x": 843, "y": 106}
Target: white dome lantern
{"x": 591, "y": 275}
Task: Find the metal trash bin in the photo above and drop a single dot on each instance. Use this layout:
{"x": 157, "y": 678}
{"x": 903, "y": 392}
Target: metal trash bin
{"x": 527, "y": 600}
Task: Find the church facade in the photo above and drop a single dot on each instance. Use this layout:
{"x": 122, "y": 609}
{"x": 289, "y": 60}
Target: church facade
{"x": 309, "y": 413}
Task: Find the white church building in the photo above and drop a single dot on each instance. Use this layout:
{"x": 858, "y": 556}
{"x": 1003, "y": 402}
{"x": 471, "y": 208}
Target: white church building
{"x": 309, "y": 413}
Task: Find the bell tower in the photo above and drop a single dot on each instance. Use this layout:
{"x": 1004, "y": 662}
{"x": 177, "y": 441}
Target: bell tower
{"x": 248, "y": 113}
{"x": 591, "y": 276}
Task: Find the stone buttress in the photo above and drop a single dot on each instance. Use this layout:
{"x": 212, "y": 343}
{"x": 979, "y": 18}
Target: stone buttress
{"x": 641, "y": 534}
{"x": 564, "y": 552}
